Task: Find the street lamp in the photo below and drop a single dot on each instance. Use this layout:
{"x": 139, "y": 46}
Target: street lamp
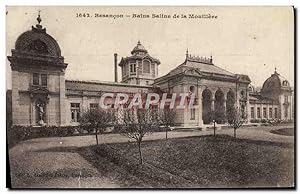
{"x": 214, "y": 127}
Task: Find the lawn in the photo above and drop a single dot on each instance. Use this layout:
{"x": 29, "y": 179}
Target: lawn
{"x": 284, "y": 131}
{"x": 205, "y": 161}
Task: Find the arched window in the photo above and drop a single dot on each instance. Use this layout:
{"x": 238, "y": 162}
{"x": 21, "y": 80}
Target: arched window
{"x": 146, "y": 66}
{"x": 192, "y": 89}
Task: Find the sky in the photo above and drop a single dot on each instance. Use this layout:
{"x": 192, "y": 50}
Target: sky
{"x": 244, "y": 40}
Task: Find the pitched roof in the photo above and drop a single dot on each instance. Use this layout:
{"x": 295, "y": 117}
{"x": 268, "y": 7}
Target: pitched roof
{"x": 258, "y": 98}
{"x": 203, "y": 66}
{"x": 76, "y": 87}
{"x": 206, "y": 67}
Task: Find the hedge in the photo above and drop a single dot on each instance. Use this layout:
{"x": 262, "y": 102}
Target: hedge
{"x": 20, "y": 133}
{"x": 272, "y": 121}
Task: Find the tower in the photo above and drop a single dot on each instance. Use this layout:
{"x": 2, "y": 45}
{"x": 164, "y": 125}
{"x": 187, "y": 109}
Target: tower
{"x": 278, "y": 89}
{"x": 139, "y": 68}
{"x": 38, "y": 83}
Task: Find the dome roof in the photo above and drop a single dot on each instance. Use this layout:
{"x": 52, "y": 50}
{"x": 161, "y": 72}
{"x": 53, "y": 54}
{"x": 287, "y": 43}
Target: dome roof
{"x": 139, "y": 48}
{"x": 37, "y": 49}
{"x": 37, "y": 41}
{"x": 275, "y": 81}
{"x": 274, "y": 85}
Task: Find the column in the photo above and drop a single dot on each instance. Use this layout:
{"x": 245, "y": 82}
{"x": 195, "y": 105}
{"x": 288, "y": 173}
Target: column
{"x": 212, "y": 104}
{"x": 237, "y": 96}
{"x": 32, "y": 113}
{"x": 224, "y": 105}
{"x": 84, "y": 106}
{"x": 200, "y": 120}
{"x": 62, "y": 100}
{"x": 15, "y": 98}
{"x": 261, "y": 111}
{"x": 48, "y": 115}
{"x": 291, "y": 107}
{"x": 281, "y": 107}
{"x": 248, "y": 109}
{"x": 255, "y": 111}
{"x": 185, "y": 111}
{"x": 268, "y": 116}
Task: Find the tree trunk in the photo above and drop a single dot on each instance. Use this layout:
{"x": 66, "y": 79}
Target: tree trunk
{"x": 166, "y": 132}
{"x": 97, "y": 136}
{"x": 140, "y": 152}
{"x": 234, "y": 133}
{"x": 214, "y": 128}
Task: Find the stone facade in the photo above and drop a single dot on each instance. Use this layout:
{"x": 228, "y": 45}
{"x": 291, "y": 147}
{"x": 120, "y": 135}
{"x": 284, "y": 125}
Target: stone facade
{"x": 38, "y": 83}
{"x": 41, "y": 96}
{"x": 215, "y": 89}
{"x": 274, "y": 101}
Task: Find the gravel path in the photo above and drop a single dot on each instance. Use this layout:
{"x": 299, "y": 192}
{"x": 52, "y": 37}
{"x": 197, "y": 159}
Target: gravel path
{"x": 34, "y": 164}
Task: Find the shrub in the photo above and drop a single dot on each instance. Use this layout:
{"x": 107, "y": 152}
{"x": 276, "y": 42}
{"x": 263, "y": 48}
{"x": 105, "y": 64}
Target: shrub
{"x": 287, "y": 121}
{"x": 20, "y": 133}
{"x": 16, "y": 134}
{"x": 254, "y": 121}
{"x": 263, "y": 121}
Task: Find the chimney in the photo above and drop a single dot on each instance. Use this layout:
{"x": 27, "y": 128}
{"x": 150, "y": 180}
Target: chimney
{"x": 116, "y": 67}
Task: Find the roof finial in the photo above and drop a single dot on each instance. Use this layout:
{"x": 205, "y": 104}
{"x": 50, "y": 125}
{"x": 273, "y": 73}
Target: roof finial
{"x": 139, "y": 42}
{"x": 187, "y": 53}
{"x": 211, "y": 58}
{"x": 39, "y": 17}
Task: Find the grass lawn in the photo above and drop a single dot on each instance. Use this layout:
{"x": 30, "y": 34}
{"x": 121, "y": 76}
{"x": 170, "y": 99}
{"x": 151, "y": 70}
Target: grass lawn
{"x": 284, "y": 131}
{"x": 204, "y": 161}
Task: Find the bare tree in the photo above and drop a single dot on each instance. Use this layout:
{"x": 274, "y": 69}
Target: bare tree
{"x": 167, "y": 119}
{"x": 235, "y": 119}
{"x": 135, "y": 124}
{"x": 97, "y": 119}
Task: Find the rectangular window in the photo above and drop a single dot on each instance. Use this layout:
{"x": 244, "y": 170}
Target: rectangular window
{"x": 258, "y": 112}
{"x": 132, "y": 68}
{"x": 146, "y": 66}
{"x": 153, "y": 69}
{"x": 192, "y": 114}
{"x": 36, "y": 79}
{"x": 75, "y": 112}
{"x": 124, "y": 71}
{"x": 265, "y": 112}
{"x": 275, "y": 113}
{"x": 252, "y": 112}
{"x": 75, "y": 105}
{"x": 270, "y": 113}
{"x": 44, "y": 79}
{"x": 94, "y": 106}
{"x": 286, "y": 99}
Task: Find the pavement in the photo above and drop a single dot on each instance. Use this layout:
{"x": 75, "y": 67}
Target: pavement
{"x": 34, "y": 165}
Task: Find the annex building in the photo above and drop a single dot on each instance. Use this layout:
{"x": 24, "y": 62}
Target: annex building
{"x": 41, "y": 95}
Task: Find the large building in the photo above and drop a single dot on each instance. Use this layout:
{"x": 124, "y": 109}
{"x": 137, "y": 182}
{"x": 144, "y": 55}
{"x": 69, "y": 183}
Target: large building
{"x": 42, "y": 96}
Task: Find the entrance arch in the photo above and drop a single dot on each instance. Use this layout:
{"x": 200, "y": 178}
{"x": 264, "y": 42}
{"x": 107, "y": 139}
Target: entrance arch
{"x": 230, "y": 102}
{"x": 206, "y": 106}
{"x": 219, "y": 107}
